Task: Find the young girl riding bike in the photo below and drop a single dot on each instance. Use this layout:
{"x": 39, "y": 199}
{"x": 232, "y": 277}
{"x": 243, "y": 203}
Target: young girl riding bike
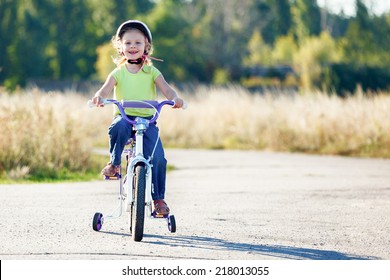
{"x": 135, "y": 78}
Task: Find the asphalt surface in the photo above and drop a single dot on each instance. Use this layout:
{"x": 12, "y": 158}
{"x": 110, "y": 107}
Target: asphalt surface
{"x": 227, "y": 204}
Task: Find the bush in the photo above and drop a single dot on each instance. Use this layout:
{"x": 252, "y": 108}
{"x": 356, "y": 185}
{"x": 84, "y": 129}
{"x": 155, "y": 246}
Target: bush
{"x": 345, "y": 78}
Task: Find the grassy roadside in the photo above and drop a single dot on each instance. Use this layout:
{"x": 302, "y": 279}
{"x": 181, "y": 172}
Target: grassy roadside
{"x": 58, "y": 176}
{"x": 50, "y": 136}
{"x": 93, "y": 173}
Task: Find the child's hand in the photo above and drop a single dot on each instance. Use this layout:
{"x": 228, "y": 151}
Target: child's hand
{"x": 98, "y": 101}
{"x": 178, "y": 102}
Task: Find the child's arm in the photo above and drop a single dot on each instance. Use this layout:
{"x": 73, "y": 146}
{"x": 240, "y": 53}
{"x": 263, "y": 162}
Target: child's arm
{"x": 104, "y": 91}
{"x": 168, "y": 91}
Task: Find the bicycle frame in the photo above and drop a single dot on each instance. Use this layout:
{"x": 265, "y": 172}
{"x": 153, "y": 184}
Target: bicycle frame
{"x": 138, "y": 175}
{"x": 136, "y": 158}
{"x": 140, "y": 125}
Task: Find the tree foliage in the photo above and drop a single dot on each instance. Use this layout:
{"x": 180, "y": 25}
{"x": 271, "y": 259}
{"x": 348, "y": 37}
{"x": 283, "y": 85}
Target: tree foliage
{"x": 315, "y": 54}
{"x": 307, "y": 19}
{"x": 199, "y": 40}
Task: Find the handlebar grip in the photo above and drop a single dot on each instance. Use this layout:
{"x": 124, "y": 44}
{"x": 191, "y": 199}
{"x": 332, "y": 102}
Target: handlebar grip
{"x": 90, "y": 104}
{"x": 185, "y": 105}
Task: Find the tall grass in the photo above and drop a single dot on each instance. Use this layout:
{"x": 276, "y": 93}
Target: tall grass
{"x": 44, "y": 135}
{"x": 48, "y": 134}
{"x": 232, "y": 118}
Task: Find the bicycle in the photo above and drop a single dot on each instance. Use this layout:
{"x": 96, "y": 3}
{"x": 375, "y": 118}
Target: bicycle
{"x": 135, "y": 187}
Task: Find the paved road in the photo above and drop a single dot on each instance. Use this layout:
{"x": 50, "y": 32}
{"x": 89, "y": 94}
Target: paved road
{"x": 228, "y": 205}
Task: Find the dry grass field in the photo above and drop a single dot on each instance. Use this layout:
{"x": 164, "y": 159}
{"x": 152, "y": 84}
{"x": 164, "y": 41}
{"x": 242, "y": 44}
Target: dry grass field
{"x": 315, "y": 122}
{"x": 44, "y": 133}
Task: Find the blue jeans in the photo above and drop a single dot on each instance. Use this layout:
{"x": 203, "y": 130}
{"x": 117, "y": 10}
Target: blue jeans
{"x": 120, "y": 132}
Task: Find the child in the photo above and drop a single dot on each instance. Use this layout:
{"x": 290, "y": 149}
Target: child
{"x": 135, "y": 78}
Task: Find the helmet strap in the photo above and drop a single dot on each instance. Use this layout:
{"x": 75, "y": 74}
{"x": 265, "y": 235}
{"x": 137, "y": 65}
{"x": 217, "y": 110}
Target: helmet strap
{"x": 136, "y": 61}
{"x": 142, "y": 59}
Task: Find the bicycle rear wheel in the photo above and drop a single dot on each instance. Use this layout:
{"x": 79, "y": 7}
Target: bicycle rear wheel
{"x": 137, "y": 215}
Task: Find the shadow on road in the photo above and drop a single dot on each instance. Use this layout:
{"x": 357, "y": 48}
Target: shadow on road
{"x": 115, "y": 233}
{"x": 276, "y": 251}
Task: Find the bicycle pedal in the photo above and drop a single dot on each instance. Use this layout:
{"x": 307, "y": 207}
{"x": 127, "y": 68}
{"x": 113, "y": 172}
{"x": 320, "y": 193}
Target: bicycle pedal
{"x": 159, "y": 216}
{"x": 115, "y": 177}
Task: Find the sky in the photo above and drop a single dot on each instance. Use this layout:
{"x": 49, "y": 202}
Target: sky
{"x": 348, "y": 6}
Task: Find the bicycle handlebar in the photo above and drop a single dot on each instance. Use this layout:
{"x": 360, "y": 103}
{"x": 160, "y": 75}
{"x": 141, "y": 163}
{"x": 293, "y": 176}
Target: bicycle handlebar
{"x": 136, "y": 104}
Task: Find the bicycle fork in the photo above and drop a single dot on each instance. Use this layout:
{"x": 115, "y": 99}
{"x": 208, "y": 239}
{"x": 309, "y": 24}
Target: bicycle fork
{"x": 135, "y": 157}
{"x": 130, "y": 180}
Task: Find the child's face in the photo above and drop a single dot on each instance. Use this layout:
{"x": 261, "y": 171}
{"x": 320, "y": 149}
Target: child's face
{"x": 133, "y": 44}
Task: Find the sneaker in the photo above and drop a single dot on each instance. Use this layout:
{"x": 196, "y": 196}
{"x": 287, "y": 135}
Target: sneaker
{"x": 110, "y": 170}
{"x": 160, "y": 207}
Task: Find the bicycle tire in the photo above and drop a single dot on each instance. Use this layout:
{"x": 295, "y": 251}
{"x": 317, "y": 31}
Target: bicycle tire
{"x": 138, "y": 208}
{"x": 97, "y": 221}
{"x": 171, "y": 224}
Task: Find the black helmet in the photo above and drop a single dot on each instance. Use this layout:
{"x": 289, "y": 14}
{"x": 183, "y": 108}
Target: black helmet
{"x": 134, "y": 24}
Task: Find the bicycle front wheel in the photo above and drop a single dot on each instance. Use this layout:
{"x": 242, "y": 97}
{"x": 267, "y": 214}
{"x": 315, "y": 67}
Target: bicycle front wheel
{"x": 138, "y": 207}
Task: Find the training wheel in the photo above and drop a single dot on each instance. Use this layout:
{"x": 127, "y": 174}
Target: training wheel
{"x": 171, "y": 223}
{"x": 97, "y": 221}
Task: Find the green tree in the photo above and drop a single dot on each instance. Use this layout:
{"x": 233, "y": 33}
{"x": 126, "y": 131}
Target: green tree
{"x": 367, "y": 39}
{"x": 283, "y": 19}
{"x": 313, "y": 58}
{"x": 171, "y": 33}
{"x": 276, "y": 16}
{"x": 357, "y": 50}
{"x": 104, "y": 63}
{"x": 70, "y": 55}
{"x": 306, "y": 17}
{"x": 260, "y": 53}
{"x": 8, "y": 50}
{"x": 225, "y": 28}
{"x": 108, "y": 15}
{"x": 284, "y": 50}
{"x": 203, "y": 40}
